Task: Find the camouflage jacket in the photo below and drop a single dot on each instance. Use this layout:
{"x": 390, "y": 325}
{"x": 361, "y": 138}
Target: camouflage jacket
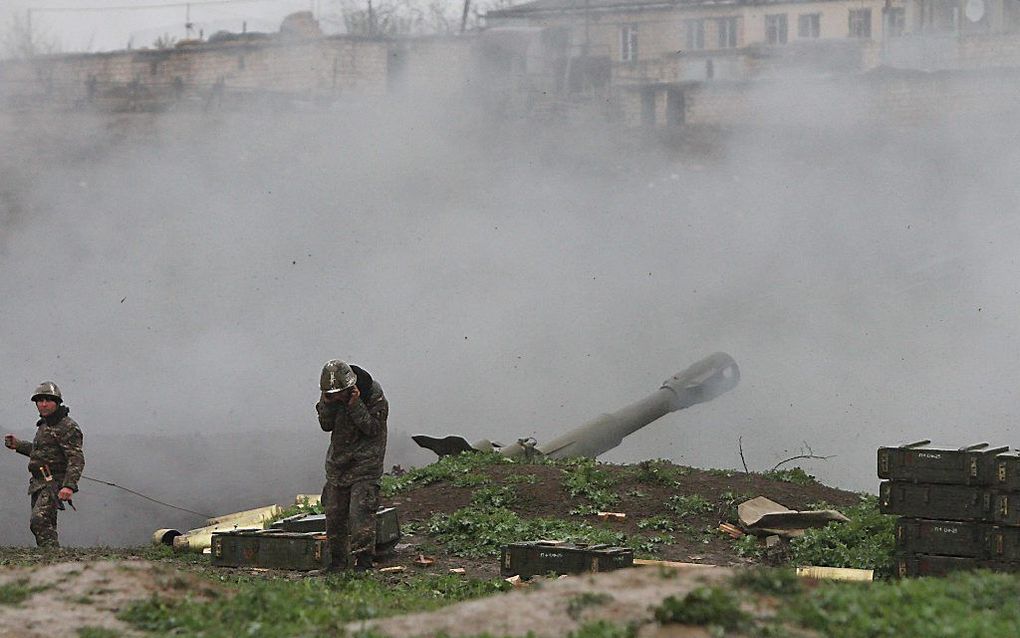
{"x": 357, "y": 443}
{"x": 57, "y": 444}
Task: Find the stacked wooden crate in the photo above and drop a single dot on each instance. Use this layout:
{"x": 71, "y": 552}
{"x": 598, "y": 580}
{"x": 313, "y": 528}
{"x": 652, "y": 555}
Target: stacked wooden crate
{"x": 959, "y": 508}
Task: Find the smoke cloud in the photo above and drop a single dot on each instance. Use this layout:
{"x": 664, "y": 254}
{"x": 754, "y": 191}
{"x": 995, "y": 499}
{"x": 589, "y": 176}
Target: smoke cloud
{"x": 184, "y": 276}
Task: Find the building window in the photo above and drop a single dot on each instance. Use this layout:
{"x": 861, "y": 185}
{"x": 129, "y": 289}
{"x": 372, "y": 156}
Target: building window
{"x": 628, "y": 43}
{"x": 809, "y": 25}
{"x": 775, "y": 28}
{"x": 727, "y": 28}
{"x": 895, "y": 21}
{"x": 695, "y": 34}
{"x": 860, "y": 23}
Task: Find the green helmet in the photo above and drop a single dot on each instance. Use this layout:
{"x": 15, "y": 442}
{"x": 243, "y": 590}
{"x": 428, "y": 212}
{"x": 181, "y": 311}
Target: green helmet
{"x": 47, "y": 389}
{"x": 336, "y": 376}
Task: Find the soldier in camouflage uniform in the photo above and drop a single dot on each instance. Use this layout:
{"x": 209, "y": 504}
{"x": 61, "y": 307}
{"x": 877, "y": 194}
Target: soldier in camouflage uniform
{"x": 353, "y": 409}
{"x": 55, "y": 461}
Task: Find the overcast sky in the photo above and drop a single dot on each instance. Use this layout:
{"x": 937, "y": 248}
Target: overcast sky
{"x": 103, "y": 25}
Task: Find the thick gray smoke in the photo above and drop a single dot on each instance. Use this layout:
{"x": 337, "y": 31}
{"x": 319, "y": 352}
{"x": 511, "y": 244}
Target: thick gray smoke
{"x": 184, "y": 276}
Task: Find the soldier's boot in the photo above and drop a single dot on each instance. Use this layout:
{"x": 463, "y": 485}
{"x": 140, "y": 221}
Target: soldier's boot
{"x": 362, "y": 562}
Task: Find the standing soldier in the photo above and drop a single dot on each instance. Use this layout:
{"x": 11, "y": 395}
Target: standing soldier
{"x": 55, "y": 460}
{"x": 353, "y": 409}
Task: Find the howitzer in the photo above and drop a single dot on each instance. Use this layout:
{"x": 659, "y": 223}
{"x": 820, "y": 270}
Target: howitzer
{"x": 703, "y": 381}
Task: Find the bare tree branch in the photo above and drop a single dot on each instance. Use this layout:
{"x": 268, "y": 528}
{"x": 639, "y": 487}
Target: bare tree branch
{"x": 740, "y": 446}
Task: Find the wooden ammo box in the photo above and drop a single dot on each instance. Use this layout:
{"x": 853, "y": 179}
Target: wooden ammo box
{"x": 942, "y": 502}
{"x": 951, "y": 538}
{"x": 387, "y": 526}
{"x": 542, "y": 557}
{"x": 270, "y": 548}
{"x": 920, "y": 463}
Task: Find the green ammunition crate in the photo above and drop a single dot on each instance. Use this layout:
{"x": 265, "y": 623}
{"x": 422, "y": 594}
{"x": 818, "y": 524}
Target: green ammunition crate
{"x": 543, "y": 557}
{"x": 920, "y": 463}
{"x": 932, "y": 565}
{"x": 270, "y": 548}
{"x": 1006, "y": 507}
{"x": 950, "y": 538}
{"x": 941, "y": 502}
{"x": 387, "y": 526}
{"x": 1003, "y": 543}
{"x": 1007, "y": 471}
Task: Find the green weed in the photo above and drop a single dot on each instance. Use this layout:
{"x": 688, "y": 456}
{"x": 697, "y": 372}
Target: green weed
{"x": 264, "y": 608}
{"x": 659, "y": 472}
{"x": 661, "y": 523}
{"x": 97, "y": 632}
{"x": 582, "y": 601}
{"x": 479, "y": 532}
{"x": 460, "y": 469}
{"x": 765, "y": 580}
{"x": 866, "y": 542}
{"x": 793, "y": 475}
{"x": 709, "y": 606}
{"x": 692, "y": 505}
{"x": 18, "y": 592}
{"x": 494, "y": 496}
{"x": 582, "y": 478}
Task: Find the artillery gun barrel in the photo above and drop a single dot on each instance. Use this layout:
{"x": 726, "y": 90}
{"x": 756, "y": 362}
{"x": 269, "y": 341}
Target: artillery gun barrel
{"x": 703, "y": 381}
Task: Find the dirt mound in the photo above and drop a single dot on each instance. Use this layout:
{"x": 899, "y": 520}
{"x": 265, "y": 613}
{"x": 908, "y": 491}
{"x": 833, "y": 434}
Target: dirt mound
{"x": 645, "y": 491}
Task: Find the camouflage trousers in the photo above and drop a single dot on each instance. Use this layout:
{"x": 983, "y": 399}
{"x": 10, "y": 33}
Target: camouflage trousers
{"x": 350, "y": 523}
{"x": 44, "y": 518}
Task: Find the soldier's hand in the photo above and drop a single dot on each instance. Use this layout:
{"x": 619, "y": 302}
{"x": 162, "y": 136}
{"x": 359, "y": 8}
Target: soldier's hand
{"x": 11, "y": 441}
{"x": 65, "y": 494}
{"x": 355, "y": 393}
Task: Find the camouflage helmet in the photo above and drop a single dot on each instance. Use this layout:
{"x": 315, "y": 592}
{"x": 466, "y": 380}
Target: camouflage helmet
{"x": 47, "y": 389}
{"x": 336, "y": 376}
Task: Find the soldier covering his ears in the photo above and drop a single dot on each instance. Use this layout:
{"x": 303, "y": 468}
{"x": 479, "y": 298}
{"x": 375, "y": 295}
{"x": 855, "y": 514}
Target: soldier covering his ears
{"x": 55, "y": 461}
{"x": 353, "y": 410}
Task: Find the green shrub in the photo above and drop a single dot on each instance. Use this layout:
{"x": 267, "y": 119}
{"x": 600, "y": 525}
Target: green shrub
{"x": 709, "y": 606}
{"x": 768, "y": 580}
{"x": 479, "y": 532}
{"x": 866, "y": 542}
{"x": 688, "y": 505}
{"x": 460, "y": 469}
{"x": 659, "y": 472}
{"x": 793, "y": 475}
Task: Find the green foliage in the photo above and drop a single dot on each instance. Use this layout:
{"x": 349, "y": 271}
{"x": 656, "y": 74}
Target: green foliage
{"x": 304, "y": 507}
{"x": 479, "y": 532}
{"x": 460, "y": 469}
{"x": 582, "y": 478}
{"x": 766, "y": 580}
{"x": 273, "y": 608}
{"x": 661, "y": 523}
{"x": 515, "y": 479}
{"x": 604, "y": 629}
{"x": 584, "y": 600}
{"x": 659, "y": 472}
{"x": 649, "y": 546}
{"x": 749, "y": 546}
{"x": 688, "y": 505}
{"x": 710, "y": 606}
{"x": 97, "y": 632}
{"x": 980, "y": 604}
{"x": 17, "y": 592}
{"x": 728, "y": 504}
{"x": 494, "y": 496}
{"x": 793, "y": 475}
{"x": 866, "y": 542}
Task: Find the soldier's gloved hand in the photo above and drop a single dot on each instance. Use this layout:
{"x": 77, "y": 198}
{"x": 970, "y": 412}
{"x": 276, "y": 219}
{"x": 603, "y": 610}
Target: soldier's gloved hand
{"x": 65, "y": 494}
{"x": 11, "y": 441}
{"x": 355, "y": 393}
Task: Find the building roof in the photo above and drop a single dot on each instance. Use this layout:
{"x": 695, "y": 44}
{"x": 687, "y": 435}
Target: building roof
{"x": 580, "y": 6}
